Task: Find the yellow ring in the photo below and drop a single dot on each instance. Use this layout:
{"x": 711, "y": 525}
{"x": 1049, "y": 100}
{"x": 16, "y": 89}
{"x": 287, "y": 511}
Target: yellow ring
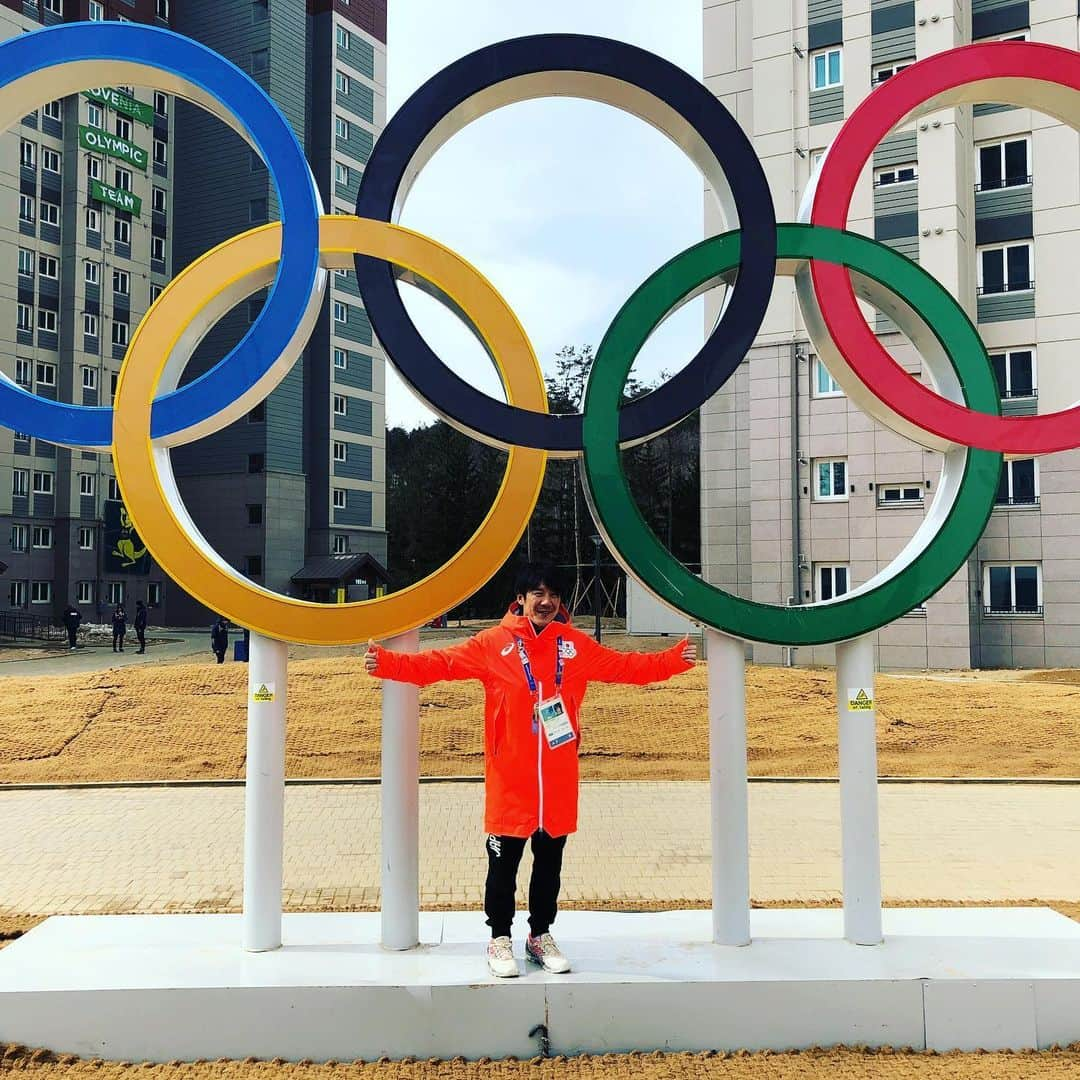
{"x": 166, "y": 528}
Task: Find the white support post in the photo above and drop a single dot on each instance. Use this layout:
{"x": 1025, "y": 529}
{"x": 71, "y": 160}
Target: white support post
{"x": 401, "y": 806}
{"x": 264, "y": 793}
{"x": 728, "y": 788}
{"x": 861, "y": 852}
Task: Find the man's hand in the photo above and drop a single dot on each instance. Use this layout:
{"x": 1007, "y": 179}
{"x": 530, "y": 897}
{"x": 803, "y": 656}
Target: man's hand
{"x": 371, "y": 657}
{"x": 689, "y": 652}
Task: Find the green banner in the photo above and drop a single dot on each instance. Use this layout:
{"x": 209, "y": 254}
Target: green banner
{"x": 101, "y": 142}
{"x": 124, "y": 550}
{"x": 122, "y": 200}
{"x": 105, "y": 95}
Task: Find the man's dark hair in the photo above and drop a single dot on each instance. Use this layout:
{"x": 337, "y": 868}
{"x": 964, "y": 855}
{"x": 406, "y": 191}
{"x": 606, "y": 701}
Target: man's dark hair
{"x": 533, "y": 575}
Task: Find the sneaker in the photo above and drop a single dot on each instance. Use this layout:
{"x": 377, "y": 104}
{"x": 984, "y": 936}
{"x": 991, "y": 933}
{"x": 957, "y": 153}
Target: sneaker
{"x": 542, "y": 950}
{"x": 500, "y": 958}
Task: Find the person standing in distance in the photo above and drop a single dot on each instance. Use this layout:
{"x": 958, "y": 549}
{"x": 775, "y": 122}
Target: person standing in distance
{"x": 535, "y": 667}
{"x": 119, "y": 628}
{"x": 219, "y": 638}
{"x": 140, "y": 624}
{"x": 72, "y": 618}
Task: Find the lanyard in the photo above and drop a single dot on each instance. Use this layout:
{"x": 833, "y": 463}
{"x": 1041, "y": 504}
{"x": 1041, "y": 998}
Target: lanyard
{"x": 523, "y": 656}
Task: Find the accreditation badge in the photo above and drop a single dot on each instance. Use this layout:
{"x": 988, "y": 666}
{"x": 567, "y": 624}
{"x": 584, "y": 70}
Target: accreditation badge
{"x": 556, "y": 721}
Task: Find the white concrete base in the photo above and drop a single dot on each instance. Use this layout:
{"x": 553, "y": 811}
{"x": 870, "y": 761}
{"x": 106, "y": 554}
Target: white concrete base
{"x": 161, "y": 987}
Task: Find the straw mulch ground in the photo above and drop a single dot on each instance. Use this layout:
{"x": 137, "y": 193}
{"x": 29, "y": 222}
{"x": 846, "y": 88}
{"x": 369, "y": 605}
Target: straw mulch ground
{"x": 187, "y": 722}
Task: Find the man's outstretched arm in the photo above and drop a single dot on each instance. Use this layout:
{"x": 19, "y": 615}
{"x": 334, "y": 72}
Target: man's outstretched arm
{"x": 602, "y": 664}
{"x": 464, "y": 661}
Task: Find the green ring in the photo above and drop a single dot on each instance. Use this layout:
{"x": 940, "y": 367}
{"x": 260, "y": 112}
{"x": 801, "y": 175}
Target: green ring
{"x": 642, "y": 554}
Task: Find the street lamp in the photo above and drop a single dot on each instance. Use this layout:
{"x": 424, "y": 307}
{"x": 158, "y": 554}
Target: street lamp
{"x": 598, "y": 543}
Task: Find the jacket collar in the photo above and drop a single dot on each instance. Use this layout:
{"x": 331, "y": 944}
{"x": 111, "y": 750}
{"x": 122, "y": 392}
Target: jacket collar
{"x": 519, "y": 626}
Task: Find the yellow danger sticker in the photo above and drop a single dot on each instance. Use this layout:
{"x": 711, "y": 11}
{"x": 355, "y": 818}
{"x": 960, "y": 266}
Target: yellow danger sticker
{"x": 860, "y": 699}
{"x": 263, "y": 692}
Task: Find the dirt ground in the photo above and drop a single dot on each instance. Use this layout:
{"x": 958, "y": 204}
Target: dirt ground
{"x": 186, "y": 721}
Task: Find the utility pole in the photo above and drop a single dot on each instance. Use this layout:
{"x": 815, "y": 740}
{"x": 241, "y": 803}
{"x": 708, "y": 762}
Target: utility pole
{"x": 598, "y": 542}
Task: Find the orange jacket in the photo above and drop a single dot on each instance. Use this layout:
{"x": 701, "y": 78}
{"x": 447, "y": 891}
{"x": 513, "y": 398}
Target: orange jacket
{"x": 529, "y": 786}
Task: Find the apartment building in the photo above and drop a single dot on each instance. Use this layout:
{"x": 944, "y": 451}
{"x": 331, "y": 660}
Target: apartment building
{"x": 99, "y": 226}
{"x": 804, "y": 497}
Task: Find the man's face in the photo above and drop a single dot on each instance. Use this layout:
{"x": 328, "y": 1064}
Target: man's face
{"x": 539, "y": 605}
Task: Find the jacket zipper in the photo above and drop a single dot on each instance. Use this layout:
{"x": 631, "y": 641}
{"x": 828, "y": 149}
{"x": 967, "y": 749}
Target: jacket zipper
{"x": 539, "y": 754}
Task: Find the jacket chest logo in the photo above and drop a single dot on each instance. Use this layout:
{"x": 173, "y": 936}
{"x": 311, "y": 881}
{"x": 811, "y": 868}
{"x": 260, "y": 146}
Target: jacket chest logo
{"x": 567, "y": 650}
{"x": 507, "y": 649}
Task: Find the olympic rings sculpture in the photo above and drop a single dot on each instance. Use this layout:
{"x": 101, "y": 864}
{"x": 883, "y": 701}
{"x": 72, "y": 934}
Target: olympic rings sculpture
{"x": 833, "y": 269}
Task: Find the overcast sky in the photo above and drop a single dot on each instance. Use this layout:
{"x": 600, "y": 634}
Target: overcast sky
{"x": 566, "y": 205}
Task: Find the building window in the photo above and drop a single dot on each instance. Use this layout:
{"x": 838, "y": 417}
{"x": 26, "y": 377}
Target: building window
{"x": 50, "y": 160}
{"x": 123, "y": 127}
{"x": 341, "y": 405}
{"x": 19, "y": 537}
{"x": 161, "y": 103}
{"x": 341, "y": 127}
{"x": 1015, "y": 373}
{"x": 161, "y": 9}
{"x": 120, "y": 333}
{"x": 48, "y": 267}
{"x": 1012, "y": 589}
{"x": 256, "y": 463}
{"x": 89, "y": 380}
{"x": 886, "y": 71}
{"x": 84, "y": 592}
{"x": 340, "y": 451}
{"x": 43, "y": 536}
{"x": 50, "y": 213}
{"x": 824, "y": 384}
{"x": 341, "y": 545}
{"x": 157, "y": 248}
{"x": 260, "y": 61}
{"x": 342, "y": 36}
{"x": 339, "y": 498}
{"x": 113, "y": 494}
{"x": 17, "y": 594}
{"x": 258, "y": 414}
{"x": 90, "y": 327}
{"x": 20, "y": 482}
{"x": 826, "y": 69}
{"x": 24, "y": 371}
{"x": 97, "y": 11}
{"x": 257, "y": 209}
{"x": 1005, "y": 268}
{"x": 95, "y": 115}
{"x": 830, "y": 480}
{"x": 830, "y": 582}
{"x": 161, "y": 152}
{"x": 253, "y": 565}
{"x": 91, "y": 272}
{"x": 26, "y": 262}
{"x": 153, "y": 594}
{"x": 86, "y": 538}
{"x": 93, "y": 220}
{"x": 1019, "y": 483}
{"x": 255, "y": 513}
{"x": 896, "y": 174}
{"x": 43, "y": 483}
{"x": 55, "y": 6}
{"x": 121, "y": 282}
{"x": 341, "y": 82}
{"x": 899, "y": 494}
{"x": 26, "y": 208}
{"x": 1003, "y": 164}
{"x": 27, "y": 153}
{"x": 341, "y": 312}
{"x": 122, "y": 231}
{"x": 115, "y": 591}
{"x": 122, "y": 178}
{"x": 46, "y": 320}
{"x": 93, "y": 168}
{"x": 46, "y": 372}
{"x": 155, "y": 291}
{"x": 158, "y": 199}
{"x": 41, "y": 592}
{"x": 341, "y": 359}
{"x": 25, "y": 317}
{"x": 341, "y": 173}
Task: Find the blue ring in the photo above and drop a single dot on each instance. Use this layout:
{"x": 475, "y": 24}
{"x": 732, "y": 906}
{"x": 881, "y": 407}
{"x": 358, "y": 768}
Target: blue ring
{"x": 726, "y": 347}
{"x": 255, "y": 354}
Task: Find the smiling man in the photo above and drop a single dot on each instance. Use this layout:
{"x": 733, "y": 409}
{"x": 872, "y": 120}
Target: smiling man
{"x": 535, "y": 667}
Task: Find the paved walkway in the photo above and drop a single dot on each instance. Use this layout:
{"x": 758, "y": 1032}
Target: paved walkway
{"x": 156, "y": 849}
{"x": 178, "y": 645}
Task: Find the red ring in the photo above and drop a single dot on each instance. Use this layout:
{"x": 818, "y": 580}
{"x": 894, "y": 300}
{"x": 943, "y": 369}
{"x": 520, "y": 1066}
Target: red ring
{"x": 884, "y": 109}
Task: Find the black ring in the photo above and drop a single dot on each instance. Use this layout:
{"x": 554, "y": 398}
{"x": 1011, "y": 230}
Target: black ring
{"x": 653, "y": 85}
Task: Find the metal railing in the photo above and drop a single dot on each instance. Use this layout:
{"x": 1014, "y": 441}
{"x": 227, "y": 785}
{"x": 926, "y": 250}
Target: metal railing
{"x": 1004, "y": 183}
{"x": 1031, "y": 393}
{"x": 1006, "y": 287}
{"x": 1033, "y": 610}
{"x": 1018, "y": 500}
{"x": 23, "y": 624}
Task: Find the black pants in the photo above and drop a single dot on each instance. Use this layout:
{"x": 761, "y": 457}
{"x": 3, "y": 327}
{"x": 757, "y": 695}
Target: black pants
{"x": 504, "y": 854}
{"x": 118, "y": 639}
{"x": 141, "y": 635}
{"x": 72, "y": 631}
{"x": 220, "y": 656}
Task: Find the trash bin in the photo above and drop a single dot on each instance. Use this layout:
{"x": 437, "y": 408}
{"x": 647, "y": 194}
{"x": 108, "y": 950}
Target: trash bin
{"x": 240, "y": 650}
